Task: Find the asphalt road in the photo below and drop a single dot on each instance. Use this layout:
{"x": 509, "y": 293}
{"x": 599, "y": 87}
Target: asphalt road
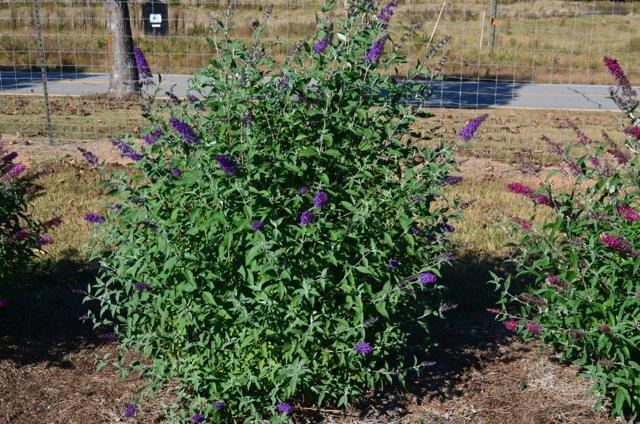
{"x": 450, "y": 94}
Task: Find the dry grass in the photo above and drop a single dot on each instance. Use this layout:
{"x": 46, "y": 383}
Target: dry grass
{"x": 543, "y": 40}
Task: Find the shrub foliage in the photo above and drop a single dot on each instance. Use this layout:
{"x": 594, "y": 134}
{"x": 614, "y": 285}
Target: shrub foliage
{"x": 280, "y": 243}
{"x": 584, "y": 264}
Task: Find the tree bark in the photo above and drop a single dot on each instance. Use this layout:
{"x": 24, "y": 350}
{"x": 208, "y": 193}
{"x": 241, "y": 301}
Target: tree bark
{"x": 124, "y": 77}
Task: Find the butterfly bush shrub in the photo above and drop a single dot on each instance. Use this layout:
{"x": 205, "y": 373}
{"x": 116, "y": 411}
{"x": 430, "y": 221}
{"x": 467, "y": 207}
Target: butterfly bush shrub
{"x": 280, "y": 244}
{"x": 21, "y": 236}
{"x": 584, "y": 263}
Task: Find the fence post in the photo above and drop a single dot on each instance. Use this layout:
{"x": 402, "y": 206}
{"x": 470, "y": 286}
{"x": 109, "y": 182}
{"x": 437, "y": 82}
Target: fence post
{"x": 494, "y": 21}
{"x": 43, "y": 68}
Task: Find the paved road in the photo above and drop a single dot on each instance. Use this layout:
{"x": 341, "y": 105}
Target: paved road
{"x": 451, "y": 94}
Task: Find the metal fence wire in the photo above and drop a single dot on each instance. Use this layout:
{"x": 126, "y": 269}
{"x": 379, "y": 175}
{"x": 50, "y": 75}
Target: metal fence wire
{"x": 497, "y": 46}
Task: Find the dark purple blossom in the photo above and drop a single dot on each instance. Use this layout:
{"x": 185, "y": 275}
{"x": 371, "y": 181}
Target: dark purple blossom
{"x": 91, "y": 158}
{"x": 197, "y": 418}
{"x": 53, "y": 222}
{"x": 520, "y": 188}
{"x": 94, "y": 218}
{"x": 141, "y": 286}
{"x": 393, "y": 263}
{"x": 303, "y": 189}
{"x": 416, "y": 199}
{"x": 323, "y": 43}
{"x": 375, "y": 51}
{"x": 604, "y": 328}
{"x": 427, "y": 278}
{"x": 307, "y": 218}
{"x": 152, "y": 138}
{"x": 453, "y": 179}
{"x": 533, "y": 328}
{"x": 472, "y": 126}
{"x": 616, "y": 243}
{"x": 192, "y": 98}
{"x": 176, "y": 172}
{"x": 20, "y": 235}
{"x": 185, "y": 130}
{"x": 541, "y": 199}
{"x": 171, "y": 95}
{"x": 127, "y": 151}
{"x": 143, "y": 67}
{"x": 283, "y": 82}
{"x": 218, "y": 405}
{"x": 108, "y": 337}
{"x": 618, "y": 73}
{"x": 633, "y": 131}
{"x": 115, "y": 208}
{"x": 320, "y": 199}
{"x": 45, "y": 239}
{"x": 14, "y": 172}
{"x": 627, "y": 213}
{"x": 257, "y": 225}
{"x": 363, "y": 348}
{"x": 129, "y": 411}
{"x": 284, "y": 408}
{"x": 511, "y": 325}
{"x": 524, "y": 224}
{"x": 387, "y": 12}
{"x": 227, "y": 165}
{"x": 448, "y": 228}
{"x": 9, "y": 157}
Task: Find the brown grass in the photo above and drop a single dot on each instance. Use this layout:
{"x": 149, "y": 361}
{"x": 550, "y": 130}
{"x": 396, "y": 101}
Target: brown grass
{"x": 543, "y": 41}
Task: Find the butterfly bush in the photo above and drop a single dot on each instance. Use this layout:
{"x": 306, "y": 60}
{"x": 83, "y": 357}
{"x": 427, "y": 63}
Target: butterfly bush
{"x": 270, "y": 264}
{"x": 583, "y": 265}
{"x": 21, "y": 236}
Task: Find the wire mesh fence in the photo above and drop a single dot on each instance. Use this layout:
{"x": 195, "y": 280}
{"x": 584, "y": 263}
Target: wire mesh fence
{"x": 536, "y": 43}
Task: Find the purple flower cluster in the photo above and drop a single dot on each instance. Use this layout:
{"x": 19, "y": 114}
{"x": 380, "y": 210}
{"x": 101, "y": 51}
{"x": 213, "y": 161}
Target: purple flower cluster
{"x": 519, "y": 188}
{"x": 627, "y": 213}
{"x": 127, "y": 151}
{"x": 387, "y": 12}
{"x": 283, "y": 82}
{"x": 141, "y": 286}
{"x": 21, "y": 235}
{"x": 453, "y": 180}
{"x": 393, "y": 263}
{"x": 284, "y": 408}
{"x": 227, "y": 165}
{"x": 620, "y": 244}
{"x": 533, "y": 328}
{"x": 53, "y": 222}
{"x": 91, "y": 158}
{"x": 15, "y": 171}
{"x": 45, "y": 239}
{"x": 524, "y": 224}
{"x": 9, "y": 157}
{"x": 541, "y": 199}
{"x": 176, "y": 172}
{"x": 257, "y": 225}
{"x": 146, "y": 78}
{"x": 218, "y": 405}
{"x": 321, "y": 199}
{"x": 94, "y": 218}
{"x": 129, "y": 411}
{"x": 307, "y": 218}
{"x": 427, "y": 278}
{"x": 511, "y": 325}
{"x": 633, "y": 131}
{"x": 188, "y": 135}
{"x": 152, "y": 138}
{"x": 472, "y": 126}
{"x": 375, "y": 51}
{"x": 618, "y": 73}
{"x": 363, "y": 348}
{"x": 303, "y": 189}
{"x": 323, "y": 43}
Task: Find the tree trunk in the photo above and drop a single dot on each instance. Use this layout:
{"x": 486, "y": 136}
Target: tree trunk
{"x": 124, "y": 72}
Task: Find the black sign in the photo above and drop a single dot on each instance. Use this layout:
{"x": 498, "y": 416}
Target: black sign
{"x": 155, "y": 15}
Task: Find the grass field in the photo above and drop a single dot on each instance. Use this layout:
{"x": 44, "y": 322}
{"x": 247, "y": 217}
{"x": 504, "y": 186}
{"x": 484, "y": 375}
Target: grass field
{"x": 550, "y": 41}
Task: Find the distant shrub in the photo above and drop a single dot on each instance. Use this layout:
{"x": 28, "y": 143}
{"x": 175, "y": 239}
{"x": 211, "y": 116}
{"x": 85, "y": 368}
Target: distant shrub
{"x": 584, "y": 264}
{"x": 20, "y": 234}
{"x": 281, "y": 242}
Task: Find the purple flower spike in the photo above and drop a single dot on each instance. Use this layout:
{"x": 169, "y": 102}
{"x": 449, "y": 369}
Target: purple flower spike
{"x": 416, "y": 199}
{"x": 197, "y": 418}
{"x": 393, "y": 263}
{"x": 257, "y": 225}
{"x": 141, "y": 286}
{"x": 188, "y": 134}
{"x": 9, "y": 157}
{"x": 21, "y": 235}
{"x": 94, "y": 218}
{"x": 284, "y": 408}
{"x": 146, "y": 78}
{"x": 45, "y": 239}
{"x": 53, "y": 222}
{"x": 448, "y": 228}
{"x": 519, "y": 188}
{"x": 176, "y": 172}
{"x": 320, "y": 199}
{"x": 307, "y": 218}
{"x": 322, "y": 44}
{"x": 89, "y": 156}
{"x": 227, "y": 165}
{"x": 127, "y": 151}
{"x": 14, "y": 172}
{"x": 511, "y": 325}
{"x": 627, "y": 213}
{"x": 616, "y": 243}
{"x": 533, "y": 328}
{"x": 218, "y": 405}
{"x": 129, "y": 411}
{"x": 375, "y": 51}
{"x": 387, "y": 12}
{"x": 303, "y": 189}
{"x": 427, "y": 278}
{"x": 363, "y": 348}
{"x": 472, "y": 126}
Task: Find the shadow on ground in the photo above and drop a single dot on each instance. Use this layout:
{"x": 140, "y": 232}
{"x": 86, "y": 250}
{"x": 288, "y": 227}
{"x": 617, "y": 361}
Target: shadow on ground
{"x": 42, "y": 322}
